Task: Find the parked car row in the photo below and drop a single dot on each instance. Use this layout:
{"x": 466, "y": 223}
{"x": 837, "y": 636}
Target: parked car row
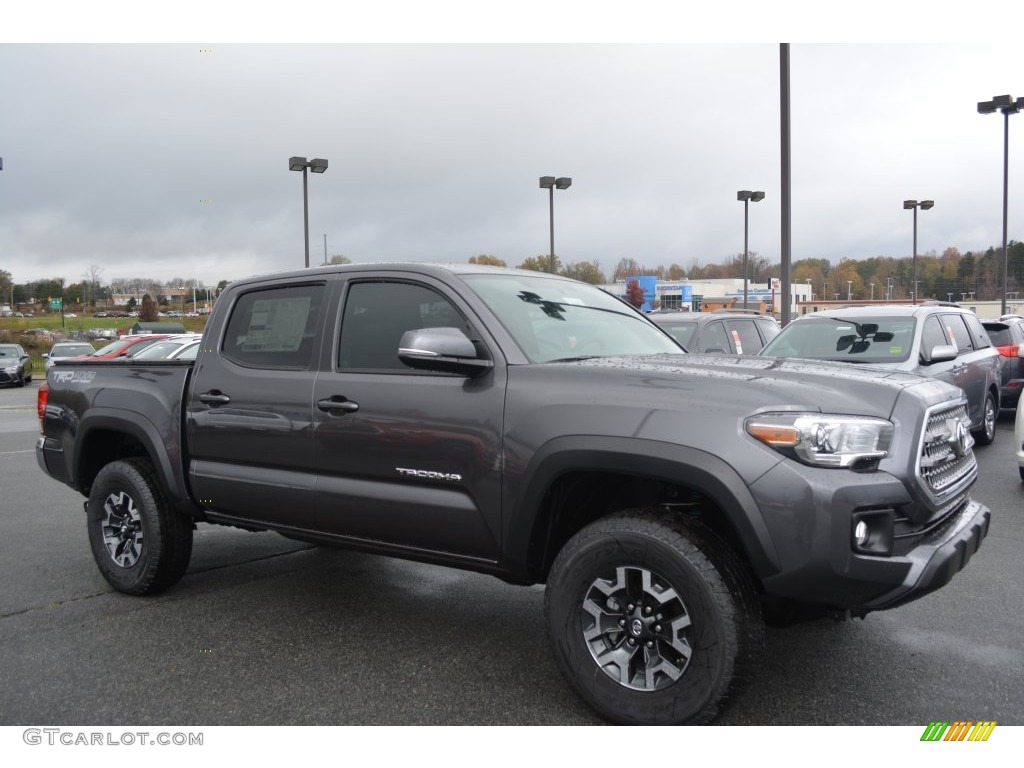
{"x": 944, "y": 341}
{"x": 16, "y": 363}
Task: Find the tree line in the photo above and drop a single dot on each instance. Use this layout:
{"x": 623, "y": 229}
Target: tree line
{"x": 949, "y": 275}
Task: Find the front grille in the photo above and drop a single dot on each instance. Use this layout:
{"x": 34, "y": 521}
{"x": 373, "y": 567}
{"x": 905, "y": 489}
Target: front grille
{"x": 946, "y": 459}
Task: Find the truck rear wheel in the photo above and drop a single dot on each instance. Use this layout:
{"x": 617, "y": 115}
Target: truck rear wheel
{"x": 652, "y": 618}
{"x": 140, "y": 546}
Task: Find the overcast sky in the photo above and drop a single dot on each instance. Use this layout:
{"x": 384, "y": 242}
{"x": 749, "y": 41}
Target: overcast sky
{"x": 171, "y": 159}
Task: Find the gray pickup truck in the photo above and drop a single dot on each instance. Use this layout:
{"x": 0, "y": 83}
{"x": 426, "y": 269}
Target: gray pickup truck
{"x": 540, "y": 430}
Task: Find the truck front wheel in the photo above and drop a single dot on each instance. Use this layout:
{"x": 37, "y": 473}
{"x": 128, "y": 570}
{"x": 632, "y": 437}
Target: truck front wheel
{"x": 140, "y": 546}
{"x": 652, "y": 618}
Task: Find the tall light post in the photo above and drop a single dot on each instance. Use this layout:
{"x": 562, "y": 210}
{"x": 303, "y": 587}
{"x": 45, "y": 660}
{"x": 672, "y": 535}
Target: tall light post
{"x": 924, "y": 205}
{"x": 849, "y": 290}
{"x": 550, "y": 183}
{"x": 746, "y": 196}
{"x": 316, "y": 165}
{"x": 1008, "y": 106}
{"x": 888, "y": 289}
{"x": 872, "y": 291}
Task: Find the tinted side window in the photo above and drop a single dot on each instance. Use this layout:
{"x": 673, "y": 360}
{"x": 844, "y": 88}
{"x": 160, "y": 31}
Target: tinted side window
{"x": 377, "y": 314}
{"x": 744, "y": 336}
{"x": 713, "y": 337}
{"x": 977, "y": 331}
{"x": 275, "y": 328}
{"x": 956, "y": 332}
{"x": 933, "y": 335}
{"x": 769, "y": 329}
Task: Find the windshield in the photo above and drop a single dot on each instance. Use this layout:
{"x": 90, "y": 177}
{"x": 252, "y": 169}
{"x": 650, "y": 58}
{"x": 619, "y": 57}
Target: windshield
{"x": 554, "y": 319}
{"x": 71, "y": 351}
{"x": 158, "y": 350}
{"x": 681, "y": 332}
{"x": 867, "y": 339}
{"x": 114, "y": 346}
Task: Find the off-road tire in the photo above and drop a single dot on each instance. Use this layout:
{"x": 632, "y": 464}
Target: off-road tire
{"x": 608, "y": 574}
{"x": 140, "y": 546}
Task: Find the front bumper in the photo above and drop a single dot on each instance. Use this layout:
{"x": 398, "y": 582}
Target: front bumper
{"x": 810, "y": 516}
{"x": 939, "y": 558}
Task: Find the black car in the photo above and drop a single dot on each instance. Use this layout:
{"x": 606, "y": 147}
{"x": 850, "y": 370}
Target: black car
{"x": 15, "y": 365}
{"x": 1007, "y": 334}
{"x": 729, "y": 332}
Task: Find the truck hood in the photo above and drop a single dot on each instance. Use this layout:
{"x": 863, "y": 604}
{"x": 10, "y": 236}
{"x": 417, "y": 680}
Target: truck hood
{"x": 749, "y": 384}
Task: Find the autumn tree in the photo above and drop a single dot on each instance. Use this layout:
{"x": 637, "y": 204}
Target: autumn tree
{"x": 148, "y": 313}
{"x": 675, "y": 272}
{"x": 6, "y": 285}
{"x": 540, "y": 264}
{"x": 585, "y": 271}
{"x": 635, "y": 293}
{"x": 626, "y": 268}
{"x": 488, "y": 260}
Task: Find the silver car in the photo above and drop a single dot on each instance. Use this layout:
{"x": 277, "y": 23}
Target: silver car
{"x": 944, "y": 341}
{"x": 64, "y": 349}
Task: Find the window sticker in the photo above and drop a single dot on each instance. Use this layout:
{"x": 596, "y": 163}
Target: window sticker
{"x": 276, "y": 325}
{"x": 737, "y": 342}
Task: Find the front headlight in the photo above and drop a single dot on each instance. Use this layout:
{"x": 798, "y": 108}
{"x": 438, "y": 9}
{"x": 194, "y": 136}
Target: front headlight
{"x": 824, "y": 439}
{"x": 11, "y": 369}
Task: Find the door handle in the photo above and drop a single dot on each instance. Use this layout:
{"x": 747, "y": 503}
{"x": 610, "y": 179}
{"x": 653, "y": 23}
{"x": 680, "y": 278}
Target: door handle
{"x": 337, "y": 403}
{"x": 214, "y": 397}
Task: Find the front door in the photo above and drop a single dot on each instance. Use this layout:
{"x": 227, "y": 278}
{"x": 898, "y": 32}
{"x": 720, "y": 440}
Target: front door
{"x": 407, "y": 457}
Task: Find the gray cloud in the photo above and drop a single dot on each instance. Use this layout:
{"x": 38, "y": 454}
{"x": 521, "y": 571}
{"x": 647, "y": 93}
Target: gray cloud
{"x": 110, "y": 152}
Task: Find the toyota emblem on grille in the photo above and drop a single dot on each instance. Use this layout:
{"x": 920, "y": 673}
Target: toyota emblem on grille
{"x": 961, "y": 440}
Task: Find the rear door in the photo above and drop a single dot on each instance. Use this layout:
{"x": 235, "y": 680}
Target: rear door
{"x": 249, "y": 426}
{"x": 743, "y": 336}
{"x": 402, "y": 456}
{"x": 968, "y": 371}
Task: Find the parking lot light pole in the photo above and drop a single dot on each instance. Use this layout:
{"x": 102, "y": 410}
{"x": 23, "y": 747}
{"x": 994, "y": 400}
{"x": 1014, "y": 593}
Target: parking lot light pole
{"x": 746, "y": 196}
{"x": 316, "y": 165}
{"x": 1008, "y": 106}
{"x": 924, "y": 205}
{"x": 872, "y": 291}
{"x": 550, "y": 183}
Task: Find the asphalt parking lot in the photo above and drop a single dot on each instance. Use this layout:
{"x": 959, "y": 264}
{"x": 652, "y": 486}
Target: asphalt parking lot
{"x": 263, "y": 630}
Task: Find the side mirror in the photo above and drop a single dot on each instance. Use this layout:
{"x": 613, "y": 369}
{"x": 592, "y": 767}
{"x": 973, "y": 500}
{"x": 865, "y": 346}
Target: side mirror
{"x": 448, "y": 350}
{"x": 940, "y": 353}
{"x": 46, "y": 355}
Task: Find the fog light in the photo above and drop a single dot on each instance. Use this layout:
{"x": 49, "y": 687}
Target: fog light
{"x": 872, "y": 532}
{"x": 860, "y": 534}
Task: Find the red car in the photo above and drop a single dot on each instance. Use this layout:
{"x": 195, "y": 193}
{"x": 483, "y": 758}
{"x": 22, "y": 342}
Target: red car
{"x": 127, "y": 346}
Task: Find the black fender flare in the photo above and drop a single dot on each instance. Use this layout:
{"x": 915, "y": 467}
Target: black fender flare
{"x": 650, "y": 459}
{"x": 148, "y": 435}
